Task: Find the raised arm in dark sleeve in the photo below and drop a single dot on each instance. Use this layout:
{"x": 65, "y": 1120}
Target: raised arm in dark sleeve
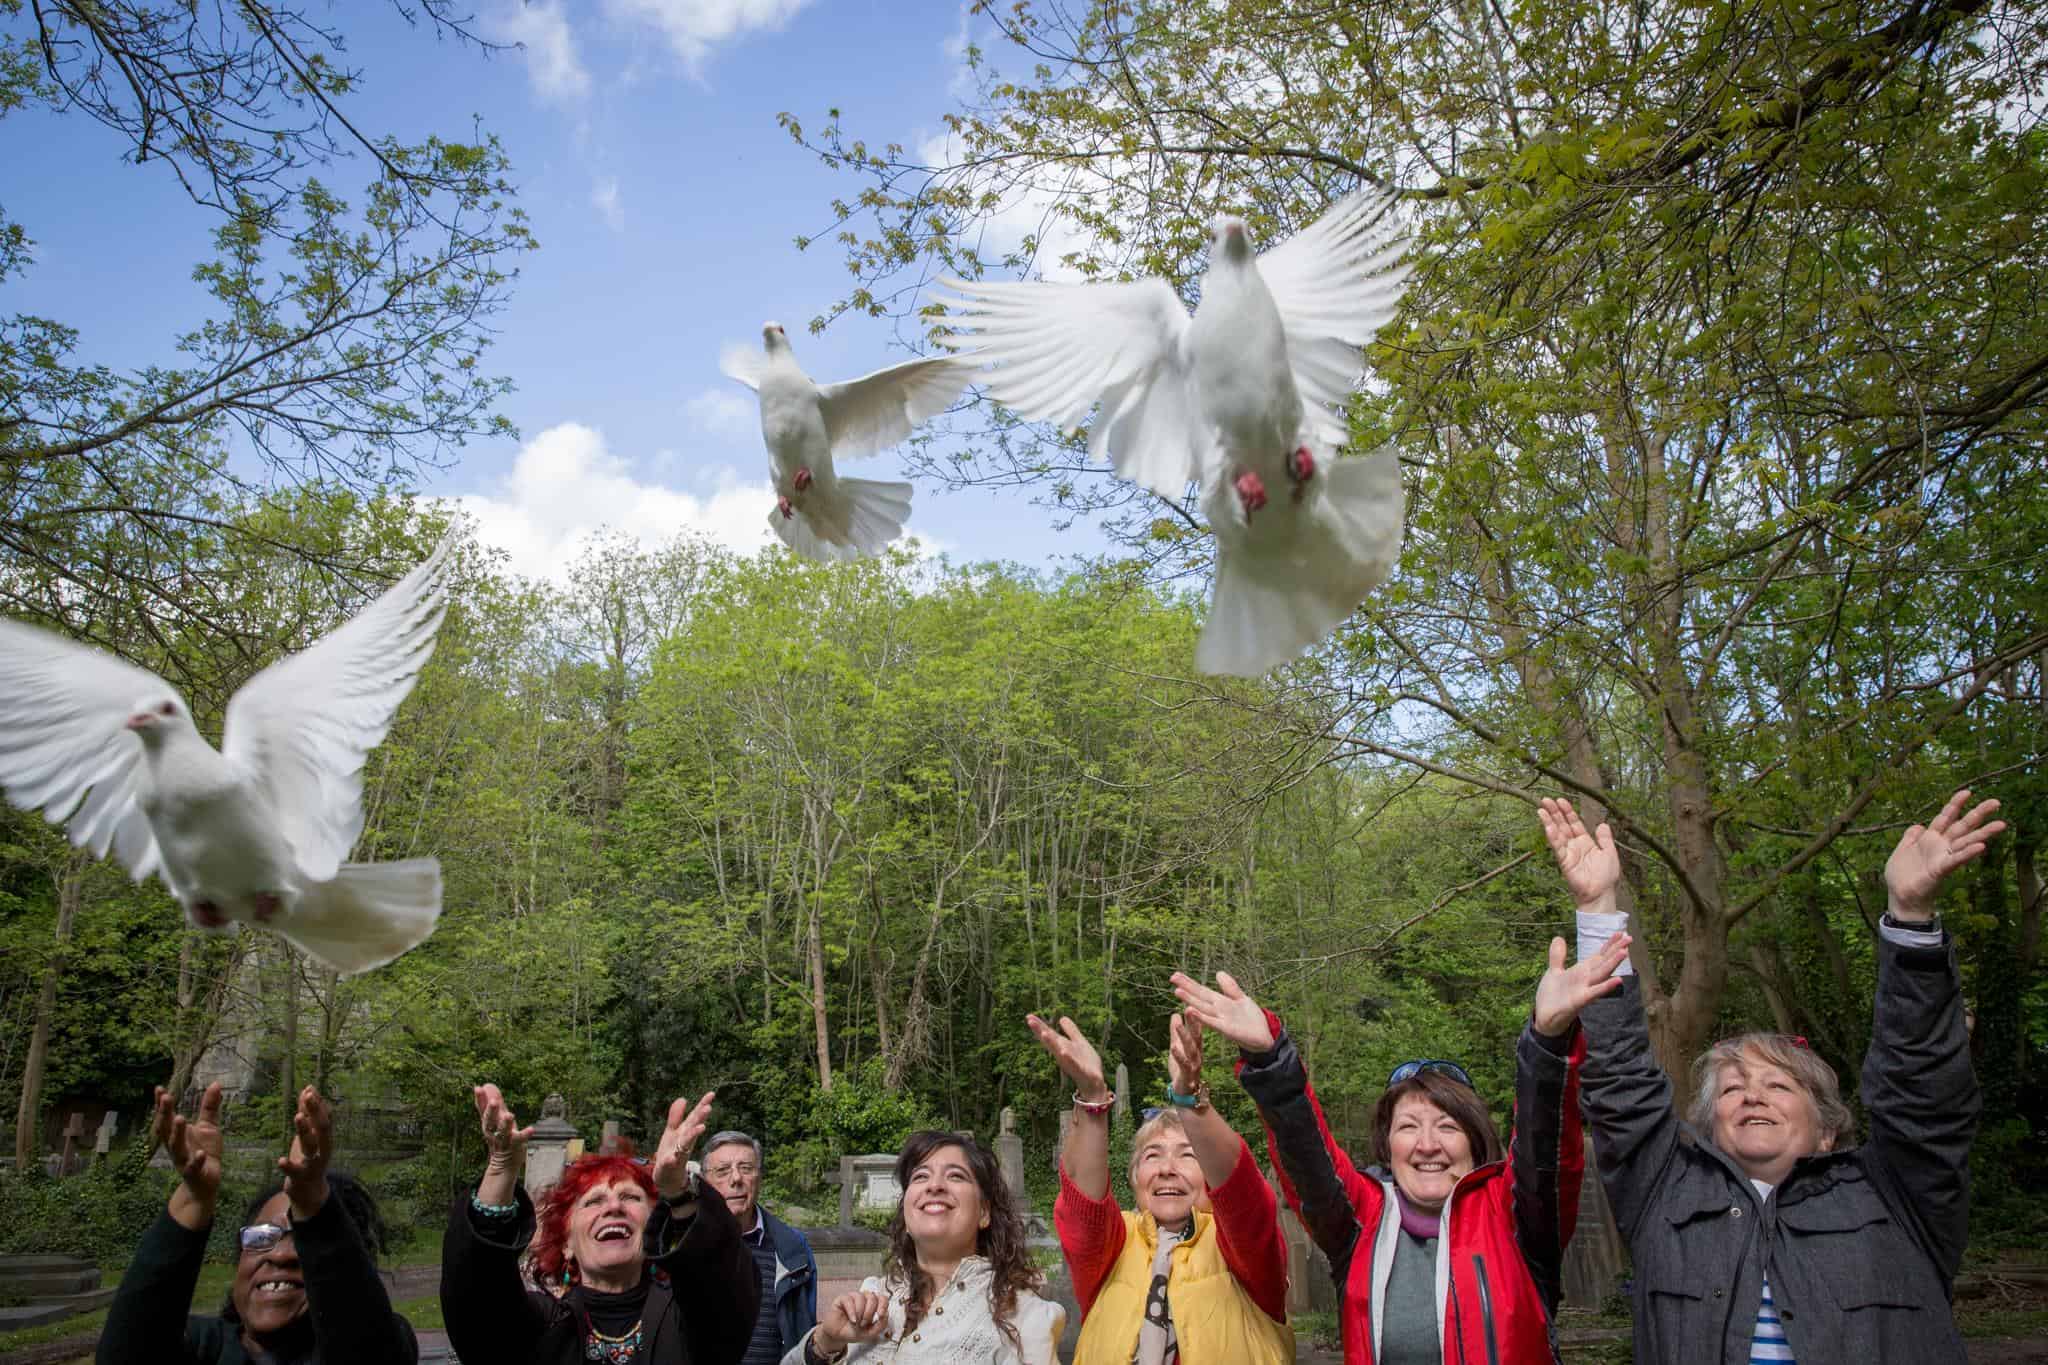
{"x": 1319, "y": 1180}
{"x": 352, "y": 1317}
{"x": 490, "y": 1315}
{"x": 712, "y": 1273}
{"x": 1627, "y": 1102}
{"x": 148, "y": 1319}
{"x": 1546, "y": 1155}
{"x": 1921, "y": 1092}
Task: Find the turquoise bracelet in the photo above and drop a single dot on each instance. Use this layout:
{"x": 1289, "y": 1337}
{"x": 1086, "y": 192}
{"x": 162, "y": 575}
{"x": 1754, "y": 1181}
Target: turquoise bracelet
{"x": 494, "y": 1210}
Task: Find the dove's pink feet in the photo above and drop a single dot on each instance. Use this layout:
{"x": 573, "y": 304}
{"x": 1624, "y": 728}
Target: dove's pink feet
{"x": 802, "y": 479}
{"x": 782, "y": 506}
{"x": 1301, "y": 467}
{"x": 207, "y": 915}
{"x": 1251, "y": 491}
{"x": 267, "y": 903}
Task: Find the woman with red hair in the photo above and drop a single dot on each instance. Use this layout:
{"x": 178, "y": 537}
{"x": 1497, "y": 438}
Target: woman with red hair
{"x": 624, "y": 1261}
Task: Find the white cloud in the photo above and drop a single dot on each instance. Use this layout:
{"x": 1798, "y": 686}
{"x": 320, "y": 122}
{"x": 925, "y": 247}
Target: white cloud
{"x": 551, "y": 61}
{"x": 720, "y": 412}
{"x": 693, "y": 26}
{"x": 604, "y": 197}
{"x": 566, "y": 484}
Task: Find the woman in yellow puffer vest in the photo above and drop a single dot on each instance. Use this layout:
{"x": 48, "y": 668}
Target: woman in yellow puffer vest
{"x": 1198, "y": 1275}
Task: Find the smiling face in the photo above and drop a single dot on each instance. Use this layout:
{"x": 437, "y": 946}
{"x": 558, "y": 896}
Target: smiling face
{"x": 1428, "y": 1150}
{"x": 1165, "y": 1175}
{"x": 1764, "y": 1118}
{"x": 943, "y": 1209}
{"x": 604, "y": 1234}
{"x": 270, "y": 1290}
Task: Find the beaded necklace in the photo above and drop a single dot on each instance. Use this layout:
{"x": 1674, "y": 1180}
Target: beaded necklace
{"x": 622, "y": 1349}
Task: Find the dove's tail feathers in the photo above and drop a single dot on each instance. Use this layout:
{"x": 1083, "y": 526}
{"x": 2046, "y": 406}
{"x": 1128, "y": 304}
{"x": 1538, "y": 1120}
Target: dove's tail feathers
{"x": 844, "y": 520}
{"x": 1278, "y": 594}
{"x": 368, "y": 915}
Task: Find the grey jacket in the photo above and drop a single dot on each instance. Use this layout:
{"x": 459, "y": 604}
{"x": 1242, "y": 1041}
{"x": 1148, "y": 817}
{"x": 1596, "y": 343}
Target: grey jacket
{"x": 1861, "y": 1245}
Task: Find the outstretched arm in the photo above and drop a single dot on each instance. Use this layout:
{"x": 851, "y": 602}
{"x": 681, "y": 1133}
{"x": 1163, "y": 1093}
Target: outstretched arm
{"x": 489, "y": 1314}
{"x": 1918, "y": 1086}
{"x": 1247, "y": 1214}
{"x": 1626, "y": 1095}
{"x": 147, "y": 1319}
{"x": 1084, "y": 1215}
{"x": 351, "y": 1311}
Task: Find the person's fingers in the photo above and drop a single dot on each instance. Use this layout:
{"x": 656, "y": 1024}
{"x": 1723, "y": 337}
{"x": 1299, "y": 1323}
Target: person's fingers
{"x": 1193, "y": 991}
{"x": 678, "y": 1110}
{"x": 1072, "y": 1031}
{"x": 1193, "y": 1027}
{"x": 1557, "y": 955}
{"x": 1975, "y": 816}
{"x": 209, "y": 1104}
{"x": 699, "y": 1116}
{"x": 1604, "y": 836}
{"x": 1228, "y": 985}
{"x": 1950, "y": 811}
{"x": 1607, "y": 987}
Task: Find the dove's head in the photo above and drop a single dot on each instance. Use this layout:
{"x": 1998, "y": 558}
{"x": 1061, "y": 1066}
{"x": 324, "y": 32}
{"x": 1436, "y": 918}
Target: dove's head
{"x": 157, "y": 717}
{"x": 773, "y": 338}
{"x": 1228, "y": 239}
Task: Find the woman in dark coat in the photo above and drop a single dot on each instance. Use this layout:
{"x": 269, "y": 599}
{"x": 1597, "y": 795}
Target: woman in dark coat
{"x": 626, "y": 1263}
{"x": 306, "y": 1289}
{"x": 1758, "y": 1230}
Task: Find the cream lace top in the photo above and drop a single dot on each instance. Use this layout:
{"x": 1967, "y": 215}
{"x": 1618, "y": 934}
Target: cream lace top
{"x": 959, "y": 1328}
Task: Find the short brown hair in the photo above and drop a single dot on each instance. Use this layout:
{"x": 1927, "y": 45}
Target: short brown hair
{"x": 1790, "y": 1055}
{"x": 1455, "y": 1098}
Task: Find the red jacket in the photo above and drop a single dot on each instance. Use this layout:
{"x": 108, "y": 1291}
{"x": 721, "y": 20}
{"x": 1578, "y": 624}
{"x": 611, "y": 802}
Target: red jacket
{"x": 1500, "y": 1259}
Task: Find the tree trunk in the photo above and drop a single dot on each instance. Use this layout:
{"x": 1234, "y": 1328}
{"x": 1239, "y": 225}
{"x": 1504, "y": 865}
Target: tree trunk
{"x": 28, "y": 1116}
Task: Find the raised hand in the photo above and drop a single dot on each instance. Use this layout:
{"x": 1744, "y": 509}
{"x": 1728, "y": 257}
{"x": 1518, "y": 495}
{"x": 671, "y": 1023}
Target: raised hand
{"x": 304, "y": 1167}
{"x": 860, "y": 1315}
{"x": 1927, "y": 853}
{"x": 195, "y": 1146}
{"x": 686, "y": 1124}
{"x": 505, "y": 1140}
{"x": 1590, "y": 863}
{"x": 1227, "y": 1009}
{"x": 1075, "y": 1055}
{"x": 1564, "y": 991}
{"x": 1184, "y": 1053}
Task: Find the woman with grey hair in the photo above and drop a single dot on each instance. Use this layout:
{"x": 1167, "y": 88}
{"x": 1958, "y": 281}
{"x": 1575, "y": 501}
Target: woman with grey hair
{"x": 1758, "y": 1231}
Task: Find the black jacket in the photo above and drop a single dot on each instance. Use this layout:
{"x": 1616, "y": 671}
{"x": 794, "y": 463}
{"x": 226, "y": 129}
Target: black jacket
{"x": 349, "y": 1317}
{"x": 1861, "y": 1244}
{"x": 700, "y": 1307}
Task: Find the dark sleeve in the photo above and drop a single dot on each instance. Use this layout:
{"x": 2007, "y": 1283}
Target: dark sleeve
{"x": 711, "y": 1273}
{"x": 147, "y": 1321}
{"x": 1921, "y": 1094}
{"x": 807, "y": 1300}
{"x": 352, "y": 1317}
{"x": 1319, "y": 1179}
{"x": 1627, "y": 1100}
{"x": 490, "y": 1316}
{"x": 1546, "y": 1155}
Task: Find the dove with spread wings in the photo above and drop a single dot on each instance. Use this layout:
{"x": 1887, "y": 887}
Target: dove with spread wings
{"x": 1245, "y": 399}
{"x": 258, "y": 830}
{"x": 806, "y": 426}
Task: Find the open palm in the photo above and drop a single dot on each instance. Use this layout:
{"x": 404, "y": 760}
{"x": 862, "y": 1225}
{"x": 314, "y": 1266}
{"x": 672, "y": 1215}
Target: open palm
{"x": 1227, "y": 1009}
{"x": 1927, "y": 853}
{"x": 1590, "y": 863}
{"x": 686, "y": 1123}
{"x": 1564, "y": 991}
{"x": 1073, "y": 1053}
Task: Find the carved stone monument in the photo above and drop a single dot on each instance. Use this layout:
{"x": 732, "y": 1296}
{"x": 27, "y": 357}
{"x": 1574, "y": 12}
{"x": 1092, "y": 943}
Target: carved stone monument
{"x": 1123, "y": 1093}
{"x": 867, "y": 1182}
{"x": 103, "y": 1141}
{"x": 547, "y": 1151}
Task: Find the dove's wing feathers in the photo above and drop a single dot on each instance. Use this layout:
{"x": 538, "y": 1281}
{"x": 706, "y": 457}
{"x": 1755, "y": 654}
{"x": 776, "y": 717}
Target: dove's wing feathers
{"x": 743, "y": 363}
{"x": 303, "y": 726}
{"x": 64, "y": 745}
{"x": 877, "y": 410}
{"x": 1336, "y": 283}
{"x": 1059, "y": 349}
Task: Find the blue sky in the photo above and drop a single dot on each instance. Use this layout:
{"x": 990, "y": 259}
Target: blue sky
{"x": 666, "y": 200}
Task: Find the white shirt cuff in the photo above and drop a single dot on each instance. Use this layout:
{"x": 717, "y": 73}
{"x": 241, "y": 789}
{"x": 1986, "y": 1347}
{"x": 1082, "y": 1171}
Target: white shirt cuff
{"x": 1906, "y": 936}
{"x": 1595, "y": 929}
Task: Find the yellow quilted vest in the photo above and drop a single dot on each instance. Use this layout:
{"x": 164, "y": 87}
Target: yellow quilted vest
{"x": 1214, "y": 1320}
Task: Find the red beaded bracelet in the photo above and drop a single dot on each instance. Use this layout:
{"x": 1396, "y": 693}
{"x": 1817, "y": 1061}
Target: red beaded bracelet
{"x": 1101, "y": 1106}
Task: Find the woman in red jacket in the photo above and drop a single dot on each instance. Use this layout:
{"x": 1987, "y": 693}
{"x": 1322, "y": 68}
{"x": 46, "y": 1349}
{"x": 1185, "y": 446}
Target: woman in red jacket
{"x": 1447, "y": 1251}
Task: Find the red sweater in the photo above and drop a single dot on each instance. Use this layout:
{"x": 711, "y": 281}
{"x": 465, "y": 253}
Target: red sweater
{"x": 1092, "y": 1232}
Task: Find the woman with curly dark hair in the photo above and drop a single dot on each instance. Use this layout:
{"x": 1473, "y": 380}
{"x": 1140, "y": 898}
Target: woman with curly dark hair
{"x": 628, "y": 1264}
{"x": 959, "y": 1283}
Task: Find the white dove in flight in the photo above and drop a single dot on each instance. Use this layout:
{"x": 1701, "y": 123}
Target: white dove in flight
{"x": 257, "y": 831}
{"x": 805, "y": 425}
{"x": 1239, "y": 398}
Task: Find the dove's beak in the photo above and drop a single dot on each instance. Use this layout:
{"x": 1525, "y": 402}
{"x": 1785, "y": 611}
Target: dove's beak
{"x": 141, "y": 720}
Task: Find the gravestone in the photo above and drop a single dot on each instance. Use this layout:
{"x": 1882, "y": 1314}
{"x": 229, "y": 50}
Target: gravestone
{"x": 1123, "y": 1093}
{"x": 103, "y": 1142}
{"x": 608, "y": 1144}
{"x": 867, "y": 1182}
{"x": 74, "y": 1129}
{"x": 1010, "y": 1159}
{"x": 547, "y": 1151}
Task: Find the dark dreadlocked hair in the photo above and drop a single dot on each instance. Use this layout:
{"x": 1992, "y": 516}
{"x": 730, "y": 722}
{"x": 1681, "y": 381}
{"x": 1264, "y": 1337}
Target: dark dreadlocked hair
{"x": 356, "y": 1201}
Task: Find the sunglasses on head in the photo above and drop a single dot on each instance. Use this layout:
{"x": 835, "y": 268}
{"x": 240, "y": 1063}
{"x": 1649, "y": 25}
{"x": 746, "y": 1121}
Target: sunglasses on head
{"x": 264, "y": 1236}
{"x": 1409, "y": 1070}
